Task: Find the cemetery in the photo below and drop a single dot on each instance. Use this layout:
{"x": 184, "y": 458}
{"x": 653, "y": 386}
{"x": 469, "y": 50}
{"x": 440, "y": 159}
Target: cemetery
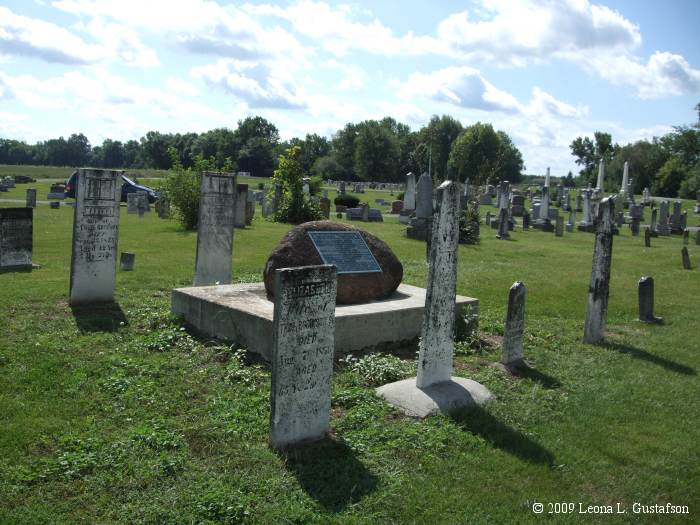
{"x": 253, "y": 370}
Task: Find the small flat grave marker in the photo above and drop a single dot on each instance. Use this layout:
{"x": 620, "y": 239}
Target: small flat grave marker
{"x": 347, "y": 251}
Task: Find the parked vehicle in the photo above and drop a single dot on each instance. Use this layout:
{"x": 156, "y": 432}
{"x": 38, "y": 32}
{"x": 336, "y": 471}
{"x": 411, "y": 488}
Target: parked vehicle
{"x": 128, "y": 186}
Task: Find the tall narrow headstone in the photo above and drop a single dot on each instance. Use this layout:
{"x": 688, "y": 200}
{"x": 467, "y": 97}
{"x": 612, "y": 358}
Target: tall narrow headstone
{"x": 503, "y": 224}
{"x": 31, "y": 198}
{"x": 132, "y": 203}
{"x": 240, "y": 206}
{"x": 424, "y": 197}
{"x": 409, "y": 196}
{"x": 599, "y": 285}
{"x": 16, "y": 238}
{"x": 600, "y": 184}
{"x": 515, "y": 322}
{"x": 645, "y": 294}
{"x": 95, "y": 235}
{"x": 662, "y": 228}
{"x": 647, "y": 237}
{"x": 559, "y": 226}
{"x": 686, "y": 258}
{"x": 437, "y": 341}
{"x": 302, "y": 354}
{"x": 217, "y": 209}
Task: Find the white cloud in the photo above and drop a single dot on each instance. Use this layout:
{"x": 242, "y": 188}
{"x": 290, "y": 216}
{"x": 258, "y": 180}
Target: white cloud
{"x": 665, "y": 74}
{"x": 460, "y": 86}
{"x": 258, "y": 84}
{"x": 515, "y": 33}
{"x": 28, "y": 37}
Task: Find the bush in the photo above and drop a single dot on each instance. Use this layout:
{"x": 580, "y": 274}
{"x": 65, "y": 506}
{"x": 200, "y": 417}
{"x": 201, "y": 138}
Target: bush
{"x": 351, "y": 201}
{"x": 691, "y": 185}
{"x": 469, "y": 224}
{"x": 378, "y": 369}
{"x": 295, "y": 207}
{"x": 182, "y": 187}
{"x": 399, "y": 197}
{"x": 315, "y": 185}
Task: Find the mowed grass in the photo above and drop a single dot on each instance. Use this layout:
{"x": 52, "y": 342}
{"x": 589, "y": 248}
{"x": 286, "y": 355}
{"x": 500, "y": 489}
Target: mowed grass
{"x": 121, "y": 416}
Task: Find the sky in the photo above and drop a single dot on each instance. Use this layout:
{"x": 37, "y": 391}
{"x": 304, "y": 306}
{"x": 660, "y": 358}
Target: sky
{"x": 545, "y": 72}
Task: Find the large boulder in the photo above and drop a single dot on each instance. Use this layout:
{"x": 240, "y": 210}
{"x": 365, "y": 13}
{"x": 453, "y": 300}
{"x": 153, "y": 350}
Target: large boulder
{"x": 296, "y": 249}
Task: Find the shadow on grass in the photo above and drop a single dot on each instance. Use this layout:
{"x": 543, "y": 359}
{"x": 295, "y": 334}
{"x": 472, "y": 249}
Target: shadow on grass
{"x": 479, "y": 422}
{"x": 102, "y": 317}
{"x": 638, "y": 353}
{"x": 533, "y": 374}
{"x": 330, "y": 473}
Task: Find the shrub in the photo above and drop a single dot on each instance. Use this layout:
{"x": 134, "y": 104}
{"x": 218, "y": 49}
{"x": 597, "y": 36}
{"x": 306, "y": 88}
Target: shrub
{"x": 295, "y": 207}
{"x": 399, "y": 197}
{"x": 351, "y": 201}
{"x": 691, "y": 185}
{"x": 315, "y": 185}
{"x": 469, "y": 224}
{"x": 182, "y": 187}
{"x": 378, "y": 369}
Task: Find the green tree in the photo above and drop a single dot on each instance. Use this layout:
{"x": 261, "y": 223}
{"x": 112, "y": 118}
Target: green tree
{"x": 669, "y": 179}
{"x": 256, "y": 139}
{"x": 376, "y": 152}
{"x": 645, "y": 159}
{"x": 295, "y": 207}
{"x": 589, "y": 152}
{"x": 438, "y": 136}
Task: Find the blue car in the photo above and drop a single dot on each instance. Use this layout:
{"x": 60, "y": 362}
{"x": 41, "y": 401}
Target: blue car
{"x": 128, "y": 186}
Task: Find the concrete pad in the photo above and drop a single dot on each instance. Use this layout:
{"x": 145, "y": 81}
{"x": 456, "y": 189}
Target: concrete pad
{"x": 454, "y": 395}
{"x": 242, "y": 313}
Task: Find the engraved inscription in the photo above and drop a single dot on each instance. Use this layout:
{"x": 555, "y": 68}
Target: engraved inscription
{"x": 346, "y": 250}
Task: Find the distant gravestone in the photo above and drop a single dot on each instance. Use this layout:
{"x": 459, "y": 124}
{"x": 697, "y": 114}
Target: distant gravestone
{"x": 409, "y": 196}
{"x": 239, "y": 207}
{"x": 559, "y": 226}
{"x": 16, "y": 238}
{"x": 503, "y": 224}
{"x": 143, "y": 204}
{"x": 647, "y": 237}
{"x": 526, "y": 220}
{"x": 325, "y": 205}
{"x": 302, "y": 354}
{"x": 31, "y": 198}
{"x": 599, "y": 284}
{"x": 686, "y": 236}
{"x": 163, "y": 207}
{"x": 132, "y": 203}
{"x": 662, "y": 228}
{"x": 54, "y": 205}
{"x": 217, "y": 208}
{"x": 686, "y": 258}
{"x": 126, "y": 261}
{"x": 645, "y": 293}
{"x": 512, "y": 355}
{"x": 95, "y": 235}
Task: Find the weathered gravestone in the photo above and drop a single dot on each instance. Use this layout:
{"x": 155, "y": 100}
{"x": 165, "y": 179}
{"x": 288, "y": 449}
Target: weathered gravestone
{"x": 599, "y": 284}
{"x": 559, "y": 226}
{"x": 325, "y": 205}
{"x": 142, "y": 203}
{"x": 503, "y": 224}
{"x": 217, "y": 209}
{"x": 434, "y": 389}
{"x": 31, "y": 198}
{"x": 647, "y": 237}
{"x": 302, "y": 354}
{"x": 95, "y": 235}
{"x": 662, "y": 228}
{"x": 645, "y": 294}
{"x": 162, "y": 206}
{"x": 512, "y": 356}
{"x": 16, "y": 229}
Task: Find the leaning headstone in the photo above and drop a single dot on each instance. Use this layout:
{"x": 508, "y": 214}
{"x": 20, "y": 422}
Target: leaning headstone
{"x": 126, "y": 261}
{"x": 95, "y": 235}
{"x": 599, "y": 285}
{"x": 302, "y": 354}
{"x": 217, "y": 210}
{"x": 31, "y": 198}
{"x": 16, "y": 238}
{"x": 645, "y": 294}
{"x": 512, "y": 356}
{"x": 686, "y": 258}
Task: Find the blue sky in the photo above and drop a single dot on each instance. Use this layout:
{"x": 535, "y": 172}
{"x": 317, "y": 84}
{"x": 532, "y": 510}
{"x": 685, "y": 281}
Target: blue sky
{"x": 543, "y": 71}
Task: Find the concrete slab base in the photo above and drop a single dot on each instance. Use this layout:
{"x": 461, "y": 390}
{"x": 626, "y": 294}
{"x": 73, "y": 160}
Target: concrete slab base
{"x": 242, "y": 313}
{"x": 451, "y": 396}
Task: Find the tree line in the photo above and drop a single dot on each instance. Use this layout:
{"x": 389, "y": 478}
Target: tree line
{"x": 668, "y": 165}
{"x": 371, "y": 150}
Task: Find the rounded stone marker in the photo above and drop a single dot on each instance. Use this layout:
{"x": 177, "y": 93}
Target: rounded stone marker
{"x": 126, "y": 261}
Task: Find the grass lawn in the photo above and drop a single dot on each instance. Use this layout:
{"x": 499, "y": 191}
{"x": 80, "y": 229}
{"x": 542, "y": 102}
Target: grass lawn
{"x": 123, "y": 416}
